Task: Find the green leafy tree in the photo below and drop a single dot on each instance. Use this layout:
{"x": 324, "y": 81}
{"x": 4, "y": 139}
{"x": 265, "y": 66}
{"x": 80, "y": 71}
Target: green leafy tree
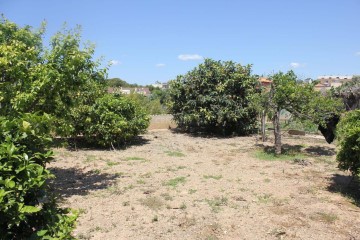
{"x": 111, "y": 120}
{"x": 215, "y": 97}
{"x": 349, "y": 92}
{"x": 348, "y": 135}
{"x": 45, "y": 80}
{"x": 117, "y": 82}
{"x": 150, "y": 104}
{"x": 38, "y": 83}
{"x": 27, "y": 209}
{"x": 301, "y": 100}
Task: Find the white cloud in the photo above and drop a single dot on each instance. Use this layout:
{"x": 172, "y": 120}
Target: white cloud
{"x": 357, "y": 53}
{"x": 160, "y": 65}
{"x": 187, "y": 57}
{"x": 115, "y": 62}
{"x": 297, "y": 65}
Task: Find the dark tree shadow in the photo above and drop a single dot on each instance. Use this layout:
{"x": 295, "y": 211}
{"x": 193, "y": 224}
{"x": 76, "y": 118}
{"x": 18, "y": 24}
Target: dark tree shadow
{"x": 286, "y": 149}
{"x": 80, "y": 143}
{"x": 207, "y": 134}
{"x": 73, "y": 181}
{"x": 347, "y": 186}
{"x": 320, "y": 151}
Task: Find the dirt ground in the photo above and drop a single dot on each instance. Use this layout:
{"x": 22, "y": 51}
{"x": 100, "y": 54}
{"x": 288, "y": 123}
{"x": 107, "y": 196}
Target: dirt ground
{"x": 176, "y": 186}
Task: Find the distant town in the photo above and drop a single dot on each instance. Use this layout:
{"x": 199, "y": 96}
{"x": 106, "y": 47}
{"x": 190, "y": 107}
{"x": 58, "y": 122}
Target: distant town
{"x": 325, "y": 82}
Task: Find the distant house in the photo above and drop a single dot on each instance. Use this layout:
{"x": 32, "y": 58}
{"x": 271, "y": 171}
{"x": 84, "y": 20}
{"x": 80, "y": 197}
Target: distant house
{"x": 120, "y": 90}
{"x": 160, "y": 85}
{"x": 265, "y": 82}
{"x": 126, "y": 90}
{"x": 113, "y": 90}
{"x": 144, "y": 91}
{"x": 321, "y": 87}
{"x": 326, "y": 82}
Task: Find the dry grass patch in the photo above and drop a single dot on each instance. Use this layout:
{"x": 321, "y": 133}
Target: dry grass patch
{"x": 324, "y": 217}
{"x": 154, "y": 203}
{"x": 216, "y": 203}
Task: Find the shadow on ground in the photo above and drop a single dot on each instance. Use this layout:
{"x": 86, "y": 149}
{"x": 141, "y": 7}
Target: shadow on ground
{"x": 73, "y": 181}
{"x": 347, "y": 186}
{"x": 207, "y": 134}
{"x": 79, "y": 143}
{"x": 288, "y": 149}
{"x": 320, "y": 151}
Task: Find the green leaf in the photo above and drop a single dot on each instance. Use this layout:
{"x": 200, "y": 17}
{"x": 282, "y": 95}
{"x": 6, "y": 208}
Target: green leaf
{"x": 41, "y": 233}
{"x": 26, "y": 125}
{"x": 9, "y": 183}
{"x": 29, "y": 209}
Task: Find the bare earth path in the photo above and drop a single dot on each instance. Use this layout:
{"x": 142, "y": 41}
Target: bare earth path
{"x": 175, "y": 186}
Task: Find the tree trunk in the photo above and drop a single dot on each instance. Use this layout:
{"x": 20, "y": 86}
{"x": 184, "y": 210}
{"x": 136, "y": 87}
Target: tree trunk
{"x": 263, "y": 123}
{"x": 277, "y": 133}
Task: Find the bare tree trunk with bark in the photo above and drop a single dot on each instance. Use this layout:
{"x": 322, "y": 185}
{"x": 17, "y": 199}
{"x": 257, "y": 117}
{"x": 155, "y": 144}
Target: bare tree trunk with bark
{"x": 277, "y": 132}
{"x": 263, "y": 123}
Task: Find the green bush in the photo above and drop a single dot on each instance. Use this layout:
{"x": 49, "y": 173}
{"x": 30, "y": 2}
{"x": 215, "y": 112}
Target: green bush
{"x": 26, "y": 208}
{"x": 111, "y": 120}
{"x": 152, "y": 105}
{"x": 215, "y": 97}
{"x": 348, "y": 135}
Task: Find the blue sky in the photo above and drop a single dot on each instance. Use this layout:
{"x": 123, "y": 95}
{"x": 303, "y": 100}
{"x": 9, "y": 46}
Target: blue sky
{"x": 156, "y": 40}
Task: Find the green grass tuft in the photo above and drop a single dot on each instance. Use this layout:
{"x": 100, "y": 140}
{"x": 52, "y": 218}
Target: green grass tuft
{"x": 270, "y": 156}
{"x": 174, "y": 154}
{"x": 135, "y": 159}
{"x": 175, "y": 181}
{"x": 216, "y": 177}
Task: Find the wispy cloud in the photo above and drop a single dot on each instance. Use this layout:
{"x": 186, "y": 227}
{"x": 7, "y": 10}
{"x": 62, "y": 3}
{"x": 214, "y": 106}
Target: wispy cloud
{"x": 115, "y": 62}
{"x": 160, "y": 65}
{"x": 357, "y": 53}
{"x": 294, "y": 65}
{"x": 188, "y": 57}
{"x": 297, "y": 65}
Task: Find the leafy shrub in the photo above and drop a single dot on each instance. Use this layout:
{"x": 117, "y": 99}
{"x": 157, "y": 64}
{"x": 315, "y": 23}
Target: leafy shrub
{"x": 111, "y": 120}
{"x": 348, "y": 134}
{"x": 26, "y": 209}
{"x": 151, "y": 105}
{"x": 215, "y": 97}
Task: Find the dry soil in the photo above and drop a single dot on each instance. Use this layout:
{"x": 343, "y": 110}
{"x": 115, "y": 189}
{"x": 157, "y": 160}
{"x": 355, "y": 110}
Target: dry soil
{"x": 170, "y": 185}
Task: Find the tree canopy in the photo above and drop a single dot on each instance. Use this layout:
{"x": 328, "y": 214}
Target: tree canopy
{"x": 348, "y": 135}
{"x": 300, "y": 99}
{"x": 215, "y": 97}
{"x": 36, "y": 78}
{"x": 41, "y": 87}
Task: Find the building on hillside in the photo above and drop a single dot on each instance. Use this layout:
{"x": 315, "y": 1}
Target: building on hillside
{"x": 144, "y": 91}
{"x": 326, "y": 82}
{"x": 265, "y": 82}
{"x": 126, "y": 90}
{"x": 160, "y": 85}
{"x": 120, "y": 90}
{"x": 321, "y": 87}
{"x": 113, "y": 90}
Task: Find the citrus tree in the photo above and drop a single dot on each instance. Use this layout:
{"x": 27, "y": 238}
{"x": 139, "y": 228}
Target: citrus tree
{"x": 36, "y": 78}
{"x": 42, "y": 87}
{"x": 348, "y": 135}
{"x": 215, "y": 97}
{"x": 301, "y": 100}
